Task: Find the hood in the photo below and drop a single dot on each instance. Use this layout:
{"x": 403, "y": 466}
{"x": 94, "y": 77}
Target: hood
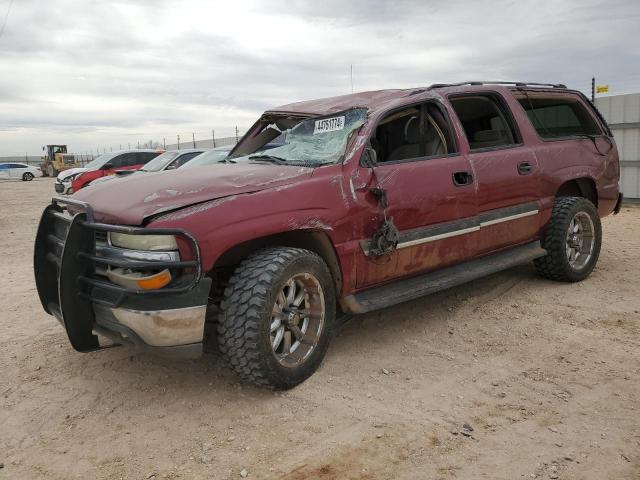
{"x": 70, "y": 172}
{"x": 133, "y": 198}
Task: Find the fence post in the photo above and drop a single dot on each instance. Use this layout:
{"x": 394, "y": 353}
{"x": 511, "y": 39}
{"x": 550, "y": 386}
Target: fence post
{"x": 178, "y": 142}
{"x": 193, "y": 139}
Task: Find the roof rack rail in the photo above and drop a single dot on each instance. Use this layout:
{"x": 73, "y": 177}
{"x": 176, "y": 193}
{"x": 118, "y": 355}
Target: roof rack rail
{"x": 517, "y": 84}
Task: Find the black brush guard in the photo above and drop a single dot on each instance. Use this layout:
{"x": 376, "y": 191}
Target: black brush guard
{"x": 65, "y": 263}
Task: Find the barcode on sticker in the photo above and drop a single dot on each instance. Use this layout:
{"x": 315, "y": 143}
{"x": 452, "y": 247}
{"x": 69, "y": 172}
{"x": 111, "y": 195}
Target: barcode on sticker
{"x": 329, "y": 125}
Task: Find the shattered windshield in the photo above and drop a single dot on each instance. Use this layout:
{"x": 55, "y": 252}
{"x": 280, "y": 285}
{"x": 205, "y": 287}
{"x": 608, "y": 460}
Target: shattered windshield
{"x": 316, "y": 141}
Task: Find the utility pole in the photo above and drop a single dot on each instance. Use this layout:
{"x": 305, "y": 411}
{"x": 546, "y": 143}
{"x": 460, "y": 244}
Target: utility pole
{"x": 593, "y": 90}
{"x": 193, "y": 139}
{"x": 236, "y": 134}
{"x": 178, "y": 142}
{"x": 213, "y": 137}
{"x": 164, "y": 143}
{"x": 352, "y": 78}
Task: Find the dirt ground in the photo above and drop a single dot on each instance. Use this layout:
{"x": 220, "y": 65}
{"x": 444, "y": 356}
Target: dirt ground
{"x": 546, "y": 375}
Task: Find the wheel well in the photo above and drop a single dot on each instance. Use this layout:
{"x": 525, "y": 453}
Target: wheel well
{"x": 579, "y": 187}
{"x": 314, "y": 241}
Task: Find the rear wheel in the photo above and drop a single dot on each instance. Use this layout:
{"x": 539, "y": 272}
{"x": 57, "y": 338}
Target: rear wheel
{"x": 27, "y": 176}
{"x": 52, "y": 171}
{"x": 572, "y": 240}
{"x": 277, "y": 317}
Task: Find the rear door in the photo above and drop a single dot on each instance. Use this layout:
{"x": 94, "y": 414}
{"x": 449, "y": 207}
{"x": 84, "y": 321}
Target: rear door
{"x": 506, "y": 170}
{"x": 4, "y": 170}
{"x": 16, "y": 170}
{"x": 431, "y": 196}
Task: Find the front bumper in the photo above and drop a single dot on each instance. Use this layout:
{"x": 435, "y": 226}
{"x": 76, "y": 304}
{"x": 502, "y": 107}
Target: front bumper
{"x": 97, "y": 313}
{"x": 618, "y": 206}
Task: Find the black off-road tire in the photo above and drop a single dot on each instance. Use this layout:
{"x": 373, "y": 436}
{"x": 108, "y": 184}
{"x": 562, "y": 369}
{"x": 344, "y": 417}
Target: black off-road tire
{"x": 27, "y": 177}
{"x": 555, "y": 265}
{"x": 245, "y": 316}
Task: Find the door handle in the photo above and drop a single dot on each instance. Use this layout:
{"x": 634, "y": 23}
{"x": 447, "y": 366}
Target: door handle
{"x": 461, "y": 179}
{"x": 525, "y": 168}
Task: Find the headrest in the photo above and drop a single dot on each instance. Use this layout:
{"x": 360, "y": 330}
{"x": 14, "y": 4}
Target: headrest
{"x": 488, "y": 135}
{"x": 412, "y": 130}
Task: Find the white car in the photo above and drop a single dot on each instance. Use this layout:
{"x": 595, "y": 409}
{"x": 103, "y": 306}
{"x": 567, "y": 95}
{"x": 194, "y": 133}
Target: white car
{"x": 64, "y": 179}
{"x": 20, "y": 171}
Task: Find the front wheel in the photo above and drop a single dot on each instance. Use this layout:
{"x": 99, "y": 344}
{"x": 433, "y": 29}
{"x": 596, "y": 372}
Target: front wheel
{"x": 27, "y": 176}
{"x": 572, "y": 239}
{"x": 277, "y": 317}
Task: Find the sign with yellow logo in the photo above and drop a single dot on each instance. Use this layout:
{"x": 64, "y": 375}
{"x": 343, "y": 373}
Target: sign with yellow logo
{"x": 602, "y": 89}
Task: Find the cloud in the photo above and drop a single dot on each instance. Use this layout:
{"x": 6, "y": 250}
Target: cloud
{"x": 98, "y": 73}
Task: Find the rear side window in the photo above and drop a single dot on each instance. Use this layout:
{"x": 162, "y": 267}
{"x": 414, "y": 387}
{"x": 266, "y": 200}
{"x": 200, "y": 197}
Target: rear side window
{"x": 144, "y": 157}
{"x": 484, "y": 120}
{"x": 558, "y": 117}
{"x": 184, "y": 159}
{"x": 119, "y": 161}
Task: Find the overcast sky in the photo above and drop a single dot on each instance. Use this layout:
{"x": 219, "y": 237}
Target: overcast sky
{"x": 99, "y": 74}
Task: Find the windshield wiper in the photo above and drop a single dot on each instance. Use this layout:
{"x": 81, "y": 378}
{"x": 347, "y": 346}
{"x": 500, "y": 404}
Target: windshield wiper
{"x": 269, "y": 158}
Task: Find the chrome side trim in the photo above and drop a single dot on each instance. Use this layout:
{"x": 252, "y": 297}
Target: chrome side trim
{"x": 467, "y": 225}
{"x": 438, "y": 237}
{"x": 510, "y": 217}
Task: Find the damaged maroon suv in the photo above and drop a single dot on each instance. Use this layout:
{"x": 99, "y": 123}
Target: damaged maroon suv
{"x": 374, "y": 198}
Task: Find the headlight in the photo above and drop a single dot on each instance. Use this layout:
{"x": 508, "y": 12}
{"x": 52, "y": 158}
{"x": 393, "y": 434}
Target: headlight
{"x": 144, "y": 242}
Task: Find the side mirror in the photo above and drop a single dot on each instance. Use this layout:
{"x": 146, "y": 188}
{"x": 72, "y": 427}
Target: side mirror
{"x": 171, "y": 167}
{"x": 107, "y": 166}
{"x": 369, "y": 157}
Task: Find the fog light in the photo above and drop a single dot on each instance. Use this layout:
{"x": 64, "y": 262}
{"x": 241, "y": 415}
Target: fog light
{"x": 138, "y": 280}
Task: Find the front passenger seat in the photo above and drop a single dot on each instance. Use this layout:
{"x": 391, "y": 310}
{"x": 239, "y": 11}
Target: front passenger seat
{"x": 411, "y": 147}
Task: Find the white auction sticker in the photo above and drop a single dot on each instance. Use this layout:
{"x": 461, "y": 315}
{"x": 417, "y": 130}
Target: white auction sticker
{"x": 329, "y": 125}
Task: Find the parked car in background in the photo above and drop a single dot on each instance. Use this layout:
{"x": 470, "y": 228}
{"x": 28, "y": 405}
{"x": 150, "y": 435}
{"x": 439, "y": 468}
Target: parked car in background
{"x": 20, "y": 171}
{"x": 74, "y": 179}
{"x": 167, "y": 161}
{"x": 220, "y": 154}
{"x": 210, "y": 157}
{"x": 374, "y": 199}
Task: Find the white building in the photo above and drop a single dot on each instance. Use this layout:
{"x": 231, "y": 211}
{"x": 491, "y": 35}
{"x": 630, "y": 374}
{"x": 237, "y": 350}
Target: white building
{"x": 622, "y": 113}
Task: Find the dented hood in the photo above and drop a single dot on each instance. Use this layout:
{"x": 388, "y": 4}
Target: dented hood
{"x": 131, "y": 199}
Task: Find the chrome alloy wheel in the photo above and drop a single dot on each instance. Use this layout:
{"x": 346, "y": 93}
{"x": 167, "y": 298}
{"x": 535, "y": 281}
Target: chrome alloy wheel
{"x": 580, "y": 240}
{"x": 297, "y": 319}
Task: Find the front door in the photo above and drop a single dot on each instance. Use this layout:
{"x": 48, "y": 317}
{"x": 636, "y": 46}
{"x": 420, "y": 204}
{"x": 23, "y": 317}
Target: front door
{"x": 431, "y": 196}
{"x": 506, "y": 172}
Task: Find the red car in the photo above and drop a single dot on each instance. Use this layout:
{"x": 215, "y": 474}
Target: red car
{"x": 375, "y": 198}
{"x": 72, "y": 180}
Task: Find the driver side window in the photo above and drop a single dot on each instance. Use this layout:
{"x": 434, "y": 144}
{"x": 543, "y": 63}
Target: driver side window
{"x": 416, "y": 131}
{"x": 124, "y": 160}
